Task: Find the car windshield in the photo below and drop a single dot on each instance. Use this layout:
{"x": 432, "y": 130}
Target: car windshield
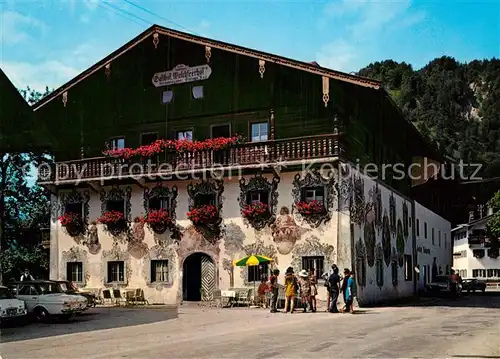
{"x": 5, "y": 293}
{"x": 48, "y": 288}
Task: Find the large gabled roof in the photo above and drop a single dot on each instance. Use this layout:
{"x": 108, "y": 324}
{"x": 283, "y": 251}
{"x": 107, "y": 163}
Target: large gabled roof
{"x": 17, "y": 121}
{"x": 214, "y": 44}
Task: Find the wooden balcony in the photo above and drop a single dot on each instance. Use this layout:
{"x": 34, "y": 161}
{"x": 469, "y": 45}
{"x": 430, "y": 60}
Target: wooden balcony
{"x": 283, "y": 152}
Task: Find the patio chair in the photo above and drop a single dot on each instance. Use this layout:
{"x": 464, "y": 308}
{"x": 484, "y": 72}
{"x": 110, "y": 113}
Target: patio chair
{"x": 106, "y": 296}
{"x": 243, "y": 297}
{"x": 139, "y": 297}
{"x": 117, "y": 295}
{"x": 216, "y": 299}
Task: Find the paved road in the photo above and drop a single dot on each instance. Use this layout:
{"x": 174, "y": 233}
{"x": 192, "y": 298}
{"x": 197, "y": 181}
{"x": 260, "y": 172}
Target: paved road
{"x": 467, "y": 328}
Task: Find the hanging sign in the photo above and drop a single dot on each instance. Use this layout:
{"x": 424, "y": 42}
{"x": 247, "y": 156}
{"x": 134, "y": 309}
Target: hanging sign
{"x": 181, "y": 74}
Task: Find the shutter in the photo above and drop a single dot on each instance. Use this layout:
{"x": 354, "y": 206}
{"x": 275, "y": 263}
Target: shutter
{"x": 68, "y": 272}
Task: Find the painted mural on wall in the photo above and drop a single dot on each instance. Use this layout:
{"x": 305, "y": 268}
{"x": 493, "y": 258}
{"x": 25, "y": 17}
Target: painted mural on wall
{"x": 313, "y": 247}
{"x": 357, "y": 205}
{"x": 193, "y": 241}
{"x": 258, "y": 247}
{"x": 360, "y": 271}
{"x": 314, "y": 197}
{"x": 286, "y": 232}
{"x": 377, "y": 206}
{"x": 135, "y": 244}
{"x": 233, "y": 245}
{"x": 205, "y": 208}
{"x": 92, "y": 241}
{"x": 392, "y": 213}
{"x": 75, "y": 254}
{"x": 258, "y": 200}
{"x": 386, "y": 239}
{"x": 379, "y": 265}
{"x": 400, "y": 243}
{"x": 406, "y": 221}
{"x": 370, "y": 239}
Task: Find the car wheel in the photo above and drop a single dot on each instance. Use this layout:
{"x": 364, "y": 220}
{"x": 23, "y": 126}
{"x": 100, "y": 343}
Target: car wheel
{"x": 41, "y": 314}
{"x": 483, "y": 290}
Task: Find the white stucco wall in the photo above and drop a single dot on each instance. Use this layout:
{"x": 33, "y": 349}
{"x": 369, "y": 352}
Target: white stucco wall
{"x": 239, "y": 241}
{"x": 440, "y": 250}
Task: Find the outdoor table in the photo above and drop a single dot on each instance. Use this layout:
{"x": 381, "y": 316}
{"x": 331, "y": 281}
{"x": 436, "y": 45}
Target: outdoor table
{"x": 227, "y": 297}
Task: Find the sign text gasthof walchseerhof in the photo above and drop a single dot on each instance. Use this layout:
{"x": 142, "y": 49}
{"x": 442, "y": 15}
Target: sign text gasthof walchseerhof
{"x": 181, "y": 74}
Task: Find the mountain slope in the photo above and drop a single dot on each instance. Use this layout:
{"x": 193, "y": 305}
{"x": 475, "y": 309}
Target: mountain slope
{"x": 455, "y": 105}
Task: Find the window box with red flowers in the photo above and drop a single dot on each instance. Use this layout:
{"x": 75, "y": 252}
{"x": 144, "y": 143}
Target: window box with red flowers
{"x": 160, "y": 146}
{"x": 114, "y": 221}
{"x": 206, "y": 219}
{"x": 73, "y": 223}
{"x": 310, "y": 208}
{"x": 158, "y": 220}
{"x": 256, "y": 213}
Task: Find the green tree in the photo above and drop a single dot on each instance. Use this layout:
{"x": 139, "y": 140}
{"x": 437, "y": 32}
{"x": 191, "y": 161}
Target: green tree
{"x": 493, "y": 225}
{"x": 24, "y": 210}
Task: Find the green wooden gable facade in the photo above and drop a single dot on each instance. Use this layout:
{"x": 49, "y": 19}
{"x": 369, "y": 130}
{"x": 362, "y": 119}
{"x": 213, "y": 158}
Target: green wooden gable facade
{"x": 117, "y": 99}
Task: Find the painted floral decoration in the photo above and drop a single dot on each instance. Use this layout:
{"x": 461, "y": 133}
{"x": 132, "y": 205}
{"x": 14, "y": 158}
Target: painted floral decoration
{"x": 256, "y": 211}
{"x": 206, "y": 214}
{"x": 310, "y": 207}
{"x": 160, "y": 146}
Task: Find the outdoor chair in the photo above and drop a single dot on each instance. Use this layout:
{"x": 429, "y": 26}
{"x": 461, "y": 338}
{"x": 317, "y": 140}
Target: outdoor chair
{"x": 243, "y": 297}
{"x": 139, "y": 297}
{"x": 106, "y": 296}
{"x": 117, "y": 295}
{"x": 216, "y": 299}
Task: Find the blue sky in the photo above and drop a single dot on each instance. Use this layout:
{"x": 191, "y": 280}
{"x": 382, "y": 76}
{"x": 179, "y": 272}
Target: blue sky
{"x": 48, "y": 42}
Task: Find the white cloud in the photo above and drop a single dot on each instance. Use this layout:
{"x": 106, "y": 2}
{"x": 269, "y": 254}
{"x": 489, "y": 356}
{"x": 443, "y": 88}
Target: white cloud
{"x": 51, "y": 73}
{"x": 364, "y": 24}
{"x": 15, "y": 27}
{"x": 338, "y": 55}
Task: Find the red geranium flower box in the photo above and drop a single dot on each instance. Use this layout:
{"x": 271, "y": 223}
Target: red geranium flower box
{"x": 310, "y": 208}
{"x": 158, "y": 220}
{"x": 255, "y": 211}
{"x": 111, "y": 217}
{"x": 206, "y": 214}
{"x": 69, "y": 219}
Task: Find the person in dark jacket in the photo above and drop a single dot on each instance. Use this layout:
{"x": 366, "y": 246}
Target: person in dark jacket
{"x": 334, "y": 289}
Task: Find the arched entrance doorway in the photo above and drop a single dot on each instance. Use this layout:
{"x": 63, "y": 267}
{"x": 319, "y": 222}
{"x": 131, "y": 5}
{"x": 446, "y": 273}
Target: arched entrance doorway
{"x": 198, "y": 279}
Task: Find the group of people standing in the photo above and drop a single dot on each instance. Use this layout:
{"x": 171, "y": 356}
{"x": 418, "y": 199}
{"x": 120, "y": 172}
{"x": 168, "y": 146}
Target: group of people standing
{"x": 304, "y": 286}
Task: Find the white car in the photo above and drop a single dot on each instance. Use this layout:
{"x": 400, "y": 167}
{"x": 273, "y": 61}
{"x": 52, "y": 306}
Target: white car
{"x": 45, "y": 298}
{"x": 10, "y": 307}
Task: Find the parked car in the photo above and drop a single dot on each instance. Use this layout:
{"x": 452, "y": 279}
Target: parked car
{"x": 69, "y": 288}
{"x": 45, "y": 298}
{"x": 473, "y": 285}
{"x": 10, "y": 307}
{"x": 439, "y": 285}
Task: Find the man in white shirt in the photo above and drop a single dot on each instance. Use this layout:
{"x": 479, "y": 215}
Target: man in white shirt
{"x": 26, "y": 276}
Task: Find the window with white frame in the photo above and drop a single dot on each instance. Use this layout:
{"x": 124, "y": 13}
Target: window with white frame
{"x": 184, "y": 135}
{"x": 74, "y": 272}
{"x": 439, "y": 237}
{"x": 117, "y": 143}
{"x": 310, "y": 194}
{"x": 159, "y": 271}
{"x": 157, "y": 203}
{"x": 433, "y": 238}
{"x": 116, "y": 271}
{"x": 259, "y": 131}
{"x": 254, "y": 197}
{"x": 314, "y": 262}
{"x": 425, "y": 230}
{"x": 418, "y": 227}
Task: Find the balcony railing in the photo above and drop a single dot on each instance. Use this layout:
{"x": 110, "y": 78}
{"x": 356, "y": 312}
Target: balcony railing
{"x": 246, "y": 155}
{"x": 482, "y": 241}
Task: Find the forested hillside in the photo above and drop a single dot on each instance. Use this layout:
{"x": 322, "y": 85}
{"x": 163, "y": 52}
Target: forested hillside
{"x": 455, "y": 105}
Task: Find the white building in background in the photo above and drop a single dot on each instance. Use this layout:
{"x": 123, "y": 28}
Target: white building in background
{"x": 433, "y": 242}
{"x": 472, "y": 255}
